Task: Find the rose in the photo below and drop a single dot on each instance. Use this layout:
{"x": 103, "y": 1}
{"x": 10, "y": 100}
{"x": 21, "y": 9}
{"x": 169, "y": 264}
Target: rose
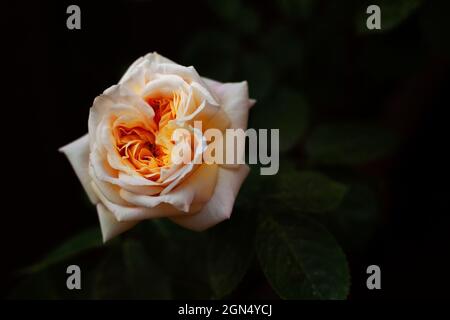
{"x": 124, "y": 162}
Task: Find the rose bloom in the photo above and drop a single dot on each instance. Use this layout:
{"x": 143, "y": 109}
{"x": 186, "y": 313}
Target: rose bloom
{"x": 124, "y": 162}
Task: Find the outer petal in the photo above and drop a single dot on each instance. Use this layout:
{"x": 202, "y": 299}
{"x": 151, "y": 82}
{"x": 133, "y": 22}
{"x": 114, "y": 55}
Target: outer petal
{"x": 109, "y": 225}
{"x": 220, "y": 206}
{"x": 235, "y": 104}
{"x": 152, "y": 57}
{"x": 197, "y": 189}
{"x": 78, "y": 154}
{"x": 234, "y": 100}
{"x": 131, "y": 213}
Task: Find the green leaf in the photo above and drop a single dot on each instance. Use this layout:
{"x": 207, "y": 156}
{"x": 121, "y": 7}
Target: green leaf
{"x": 230, "y": 252}
{"x": 284, "y": 49}
{"x": 109, "y": 280}
{"x": 309, "y": 191}
{"x": 40, "y": 286}
{"x": 356, "y": 219}
{"x": 50, "y": 283}
{"x": 394, "y": 61}
{"x": 129, "y": 273}
{"x": 204, "y": 54}
{"x": 225, "y": 9}
{"x": 287, "y": 111}
{"x": 259, "y": 73}
{"x": 434, "y": 27}
{"x": 254, "y": 186}
{"x": 236, "y": 14}
{"x": 393, "y": 13}
{"x": 84, "y": 241}
{"x": 301, "y": 9}
{"x": 301, "y": 259}
{"x": 145, "y": 277}
{"x": 172, "y": 246}
{"x": 349, "y": 144}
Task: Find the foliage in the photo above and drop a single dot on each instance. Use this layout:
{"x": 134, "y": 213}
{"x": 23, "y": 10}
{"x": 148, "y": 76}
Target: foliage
{"x": 297, "y": 226}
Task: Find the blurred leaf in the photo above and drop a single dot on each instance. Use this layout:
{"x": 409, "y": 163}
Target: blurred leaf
{"x": 393, "y": 13}
{"x": 84, "y": 241}
{"x": 230, "y": 252}
{"x": 39, "y": 286}
{"x": 213, "y": 59}
{"x": 356, "y": 219}
{"x": 284, "y": 48}
{"x": 434, "y": 26}
{"x": 51, "y": 282}
{"x": 129, "y": 273}
{"x": 236, "y": 14}
{"x": 259, "y": 73}
{"x": 327, "y": 63}
{"x": 390, "y": 60}
{"x": 349, "y": 144}
{"x": 146, "y": 279}
{"x": 172, "y": 246}
{"x": 287, "y": 111}
{"x": 254, "y": 186}
{"x": 109, "y": 277}
{"x": 225, "y": 9}
{"x": 247, "y": 21}
{"x": 309, "y": 191}
{"x": 301, "y": 259}
{"x": 301, "y": 9}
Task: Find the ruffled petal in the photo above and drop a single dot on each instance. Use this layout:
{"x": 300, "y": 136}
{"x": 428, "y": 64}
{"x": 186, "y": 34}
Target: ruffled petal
{"x": 197, "y": 189}
{"x": 220, "y": 206}
{"x": 109, "y": 225}
{"x": 234, "y": 99}
{"x": 152, "y": 57}
{"x": 133, "y": 213}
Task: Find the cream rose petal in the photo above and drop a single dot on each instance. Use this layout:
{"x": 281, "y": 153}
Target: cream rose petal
{"x": 196, "y": 199}
{"x": 234, "y": 99}
{"x": 78, "y": 154}
{"x": 131, "y": 213}
{"x": 152, "y": 57}
{"x": 109, "y": 225}
{"x": 198, "y": 188}
{"x": 235, "y": 104}
{"x": 220, "y": 206}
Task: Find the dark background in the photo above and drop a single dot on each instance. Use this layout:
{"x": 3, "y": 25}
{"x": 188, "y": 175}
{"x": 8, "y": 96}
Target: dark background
{"x": 398, "y": 78}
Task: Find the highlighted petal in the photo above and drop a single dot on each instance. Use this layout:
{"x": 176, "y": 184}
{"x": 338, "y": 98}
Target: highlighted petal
{"x": 234, "y": 100}
{"x": 109, "y": 225}
{"x": 220, "y": 206}
{"x": 152, "y": 57}
{"x": 127, "y": 213}
{"x": 197, "y": 189}
{"x": 236, "y": 103}
{"x": 78, "y": 154}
